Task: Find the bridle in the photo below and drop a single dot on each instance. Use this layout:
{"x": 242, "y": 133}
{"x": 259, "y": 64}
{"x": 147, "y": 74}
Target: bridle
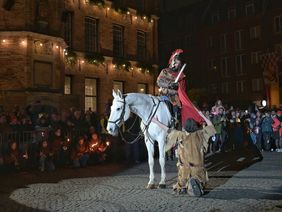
{"x": 119, "y": 120}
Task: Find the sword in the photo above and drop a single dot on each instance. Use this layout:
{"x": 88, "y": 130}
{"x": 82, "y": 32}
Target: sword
{"x": 182, "y": 69}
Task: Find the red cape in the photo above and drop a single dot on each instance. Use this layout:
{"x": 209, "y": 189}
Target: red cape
{"x": 188, "y": 109}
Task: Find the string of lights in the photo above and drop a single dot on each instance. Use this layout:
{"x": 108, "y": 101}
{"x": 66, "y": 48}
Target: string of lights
{"x": 101, "y": 5}
{"x": 66, "y": 53}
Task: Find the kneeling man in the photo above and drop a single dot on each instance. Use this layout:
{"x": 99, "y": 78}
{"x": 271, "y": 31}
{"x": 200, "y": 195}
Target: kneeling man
{"x": 191, "y": 146}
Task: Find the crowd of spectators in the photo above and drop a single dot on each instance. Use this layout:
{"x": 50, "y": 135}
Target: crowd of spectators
{"x": 45, "y": 139}
{"x": 36, "y": 137}
{"x": 237, "y": 128}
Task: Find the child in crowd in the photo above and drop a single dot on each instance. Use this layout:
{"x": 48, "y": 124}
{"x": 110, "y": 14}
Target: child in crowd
{"x": 80, "y": 153}
{"x": 46, "y": 157}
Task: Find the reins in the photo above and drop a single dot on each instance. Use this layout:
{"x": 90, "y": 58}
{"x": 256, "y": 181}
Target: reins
{"x": 141, "y": 132}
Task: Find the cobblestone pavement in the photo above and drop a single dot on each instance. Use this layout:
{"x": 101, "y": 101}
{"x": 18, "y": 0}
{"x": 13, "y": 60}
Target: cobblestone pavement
{"x": 254, "y": 186}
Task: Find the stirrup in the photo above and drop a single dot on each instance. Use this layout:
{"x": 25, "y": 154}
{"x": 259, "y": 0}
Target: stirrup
{"x": 173, "y": 122}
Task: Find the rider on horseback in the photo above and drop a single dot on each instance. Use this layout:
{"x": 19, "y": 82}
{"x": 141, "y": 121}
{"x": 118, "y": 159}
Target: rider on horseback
{"x": 167, "y": 84}
{"x": 172, "y": 85}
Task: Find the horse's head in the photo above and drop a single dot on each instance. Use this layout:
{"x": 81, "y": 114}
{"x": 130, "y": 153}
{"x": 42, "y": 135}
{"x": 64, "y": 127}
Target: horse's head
{"x": 119, "y": 113}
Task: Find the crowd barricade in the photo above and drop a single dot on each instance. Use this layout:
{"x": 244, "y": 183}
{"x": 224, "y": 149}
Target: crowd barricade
{"x": 25, "y": 139}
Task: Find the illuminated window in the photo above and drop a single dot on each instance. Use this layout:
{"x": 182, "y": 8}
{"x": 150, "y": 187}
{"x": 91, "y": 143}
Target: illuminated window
{"x": 68, "y": 82}
{"x": 90, "y": 94}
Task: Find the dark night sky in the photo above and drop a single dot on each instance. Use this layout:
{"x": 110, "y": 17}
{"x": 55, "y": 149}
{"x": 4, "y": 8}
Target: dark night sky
{"x": 168, "y": 5}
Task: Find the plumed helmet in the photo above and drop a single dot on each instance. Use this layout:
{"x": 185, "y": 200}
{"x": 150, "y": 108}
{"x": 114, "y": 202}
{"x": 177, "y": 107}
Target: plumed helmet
{"x": 177, "y": 54}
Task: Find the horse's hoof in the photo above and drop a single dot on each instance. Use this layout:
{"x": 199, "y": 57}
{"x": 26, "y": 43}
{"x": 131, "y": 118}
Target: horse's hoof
{"x": 151, "y": 186}
{"x": 162, "y": 186}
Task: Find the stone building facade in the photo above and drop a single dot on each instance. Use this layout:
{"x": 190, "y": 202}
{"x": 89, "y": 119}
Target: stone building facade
{"x": 72, "y": 53}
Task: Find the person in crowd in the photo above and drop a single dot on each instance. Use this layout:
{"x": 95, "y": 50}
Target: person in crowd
{"x": 13, "y": 157}
{"x": 237, "y": 132}
{"x": 1, "y": 162}
{"x": 4, "y": 125}
{"x": 102, "y": 149}
{"x": 95, "y": 122}
{"x": 26, "y": 124}
{"x": 224, "y": 130}
{"x": 116, "y": 147}
{"x": 93, "y": 145}
{"x": 57, "y": 141}
{"x": 55, "y": 121}
{"x": 46, "y": 157}
{"x": 279, "y": 143}
{"x": 218, "y": 106}
{"x": 217, "y": 121}
{"x": 66, "y": 124}
{"x": 275, "y": 129}
{"x": 238, "y": 116}
{"x": 80, "y": 153}
{"x": 258, "y": 132}
{"x": 42, "y": 122}
{"x": 103, "y": 124}
{"x": 88, "y": 116}
{"x": 252, "y": 123}
{"x": 266, "y": 129}
{"x": 207, "y": 114}
{"x": 15, "y": 123}
{"x": 79, "y": 121}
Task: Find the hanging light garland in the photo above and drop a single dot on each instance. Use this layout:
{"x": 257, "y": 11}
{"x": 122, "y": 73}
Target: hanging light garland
{"x": 145, "y": 67}
{"x": 99, "y": 3}
{"x": 121, "y": 64}
{"x": 95, "y": 58}
{"x": 119, "y": 9}
{"x": 70, "y": 57}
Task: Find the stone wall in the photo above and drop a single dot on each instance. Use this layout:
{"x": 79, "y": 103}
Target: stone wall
{"x": 32, "y": 60}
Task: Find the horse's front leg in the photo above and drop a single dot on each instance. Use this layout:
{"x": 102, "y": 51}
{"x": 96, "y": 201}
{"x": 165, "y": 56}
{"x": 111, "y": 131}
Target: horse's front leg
{"x": 162, "y": 165}
{"x": 150, "y": 150}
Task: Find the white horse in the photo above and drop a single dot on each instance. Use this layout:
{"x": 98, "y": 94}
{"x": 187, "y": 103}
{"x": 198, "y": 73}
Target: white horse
{"x": 146, "y": 107}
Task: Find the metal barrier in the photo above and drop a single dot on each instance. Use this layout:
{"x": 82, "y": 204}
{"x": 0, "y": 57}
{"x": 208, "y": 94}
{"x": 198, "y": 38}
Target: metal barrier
{"x": 24, "y": 139}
